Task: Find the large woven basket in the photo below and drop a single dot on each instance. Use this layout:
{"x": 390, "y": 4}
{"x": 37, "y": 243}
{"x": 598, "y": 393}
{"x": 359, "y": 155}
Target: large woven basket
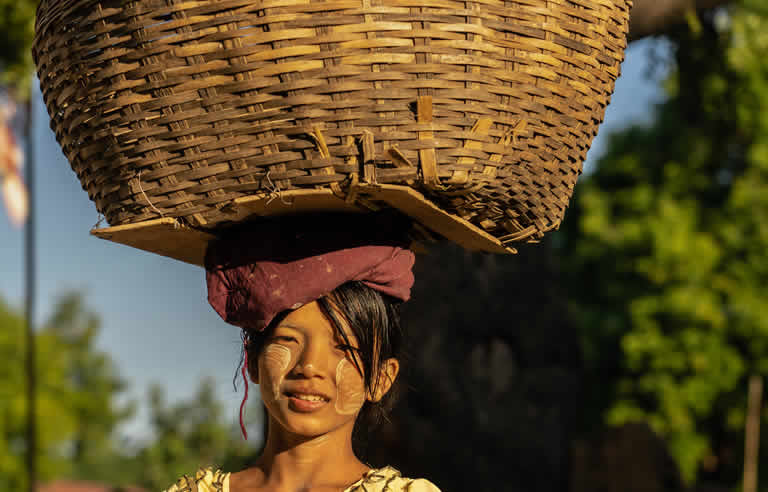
{"x": 180, "y": 110}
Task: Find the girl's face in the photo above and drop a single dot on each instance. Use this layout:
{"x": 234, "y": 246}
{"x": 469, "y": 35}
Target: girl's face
{"x": 308, "y": 380}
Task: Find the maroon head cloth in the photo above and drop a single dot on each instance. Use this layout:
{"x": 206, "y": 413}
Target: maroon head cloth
{"x": 264, "y": 268}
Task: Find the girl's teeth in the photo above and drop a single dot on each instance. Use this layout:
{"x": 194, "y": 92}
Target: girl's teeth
{"x": 309, "y": 397}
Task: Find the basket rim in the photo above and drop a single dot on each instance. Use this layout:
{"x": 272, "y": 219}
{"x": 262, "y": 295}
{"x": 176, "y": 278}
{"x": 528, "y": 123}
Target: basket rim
{"x": 168, "y": 237}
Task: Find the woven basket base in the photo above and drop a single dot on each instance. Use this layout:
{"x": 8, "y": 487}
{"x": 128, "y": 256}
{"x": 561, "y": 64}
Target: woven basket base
{"x": 168, "y": 237}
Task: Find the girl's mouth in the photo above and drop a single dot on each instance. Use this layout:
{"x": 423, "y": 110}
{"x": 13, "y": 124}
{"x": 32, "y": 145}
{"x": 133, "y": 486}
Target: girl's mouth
{"x": 305, "y": 403}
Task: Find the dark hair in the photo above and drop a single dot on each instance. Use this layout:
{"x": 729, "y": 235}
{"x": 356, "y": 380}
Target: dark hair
{"x": 374, "y": 319}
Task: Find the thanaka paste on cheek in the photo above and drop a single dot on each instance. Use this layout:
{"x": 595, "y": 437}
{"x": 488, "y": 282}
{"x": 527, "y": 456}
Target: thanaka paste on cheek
{"x": 277, "y": 358}
{"x": 350, "y": 392}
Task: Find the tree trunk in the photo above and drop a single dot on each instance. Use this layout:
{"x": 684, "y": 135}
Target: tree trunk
{"x": 651, "y": 17}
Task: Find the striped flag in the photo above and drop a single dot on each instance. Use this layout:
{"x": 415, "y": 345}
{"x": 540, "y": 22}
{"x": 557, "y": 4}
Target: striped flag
{"x": 12, "y": 188}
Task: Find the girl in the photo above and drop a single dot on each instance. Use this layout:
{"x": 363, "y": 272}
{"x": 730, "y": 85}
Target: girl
{"x": 322, "y": 338}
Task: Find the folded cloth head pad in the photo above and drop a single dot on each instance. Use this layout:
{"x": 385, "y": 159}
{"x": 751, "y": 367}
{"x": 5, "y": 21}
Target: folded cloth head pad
{"x": 264, "y": 268}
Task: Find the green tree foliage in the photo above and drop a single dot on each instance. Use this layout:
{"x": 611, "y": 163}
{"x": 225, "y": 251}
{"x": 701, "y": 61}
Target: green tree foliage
{"x": 79, "y": 412}
{"x": 186, "y": 436}
{"x": 17, "y": 29}
{"x": 94, "y": 386}
{"x": 666, "y": 247}
{"x": 76, "y": 404}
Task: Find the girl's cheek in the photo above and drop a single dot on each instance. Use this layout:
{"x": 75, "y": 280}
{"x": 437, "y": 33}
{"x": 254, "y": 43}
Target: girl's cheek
{"x": 275, "y": 361}
{"x": 350, "y": 389}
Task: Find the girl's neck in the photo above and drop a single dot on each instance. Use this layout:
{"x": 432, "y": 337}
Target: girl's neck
{"x": 293, "y": 462}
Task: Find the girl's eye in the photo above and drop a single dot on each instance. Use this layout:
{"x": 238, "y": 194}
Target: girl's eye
{"x": 284, "y": 338}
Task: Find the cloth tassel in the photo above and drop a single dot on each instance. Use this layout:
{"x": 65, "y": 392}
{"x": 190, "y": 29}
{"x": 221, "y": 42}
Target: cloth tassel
{"x": 245, "y": 396}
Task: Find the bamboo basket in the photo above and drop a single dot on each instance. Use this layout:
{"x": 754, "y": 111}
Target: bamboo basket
{"x": 473, "y": 117}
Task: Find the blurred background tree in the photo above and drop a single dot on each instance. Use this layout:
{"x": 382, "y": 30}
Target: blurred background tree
{"x": 666, "y": 242}
{"x": 17, "y": 29}
{"x": 78, "y": 410}
{"x": 95, "y": 385}
{"x": 189, "y": 435}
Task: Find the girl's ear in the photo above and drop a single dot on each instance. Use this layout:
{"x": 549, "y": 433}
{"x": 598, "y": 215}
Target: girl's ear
{"x": 387, "y": 376}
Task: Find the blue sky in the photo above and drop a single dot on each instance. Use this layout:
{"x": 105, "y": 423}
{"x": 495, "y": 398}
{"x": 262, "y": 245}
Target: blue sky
{"x": 156, "y": 323}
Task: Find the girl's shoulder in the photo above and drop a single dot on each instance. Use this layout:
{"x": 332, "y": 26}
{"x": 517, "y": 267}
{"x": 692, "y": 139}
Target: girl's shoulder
{"x": 388, "y": 479}
{"x": 204, "y": 480}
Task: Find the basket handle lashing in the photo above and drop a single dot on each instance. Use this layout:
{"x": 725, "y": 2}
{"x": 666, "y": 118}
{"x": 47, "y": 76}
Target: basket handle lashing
{"x": 462, "y": 176}
{"x": 352, "y": 195}
{"x": 99, "y": 219}
{"x": 400, "y": 160}
{"x": 353, "y": 189}
{"x": 322, "y": 148}
{"x": 369, "y": 156}
{"x": 508, "y": 137}
{"x": 368, "y": 151}
{"x": 141, "y": 189}
{"x": 275, "y": 191}
{"x": 356, "y": 195}
{"x": 519, "y": 236}
{"x": 317, "y": 137}
{"x": 427, "y": 157}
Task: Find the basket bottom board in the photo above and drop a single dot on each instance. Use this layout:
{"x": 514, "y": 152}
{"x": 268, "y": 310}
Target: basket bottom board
{"x": 168, "y": 237}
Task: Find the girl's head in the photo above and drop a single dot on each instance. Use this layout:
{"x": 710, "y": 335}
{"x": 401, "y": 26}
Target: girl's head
{"x": 330, "y": 363}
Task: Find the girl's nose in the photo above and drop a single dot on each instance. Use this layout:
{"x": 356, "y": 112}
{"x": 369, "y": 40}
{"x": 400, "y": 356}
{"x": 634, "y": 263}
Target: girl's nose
{"x": 310, "y": 362}
{"x": 306, "y": 370}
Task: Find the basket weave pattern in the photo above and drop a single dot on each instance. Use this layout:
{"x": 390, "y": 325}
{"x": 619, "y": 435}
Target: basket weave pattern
{"x": 176, "y": 108}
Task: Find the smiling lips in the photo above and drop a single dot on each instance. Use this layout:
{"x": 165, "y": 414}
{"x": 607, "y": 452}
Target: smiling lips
{"x": 306, "y": 401}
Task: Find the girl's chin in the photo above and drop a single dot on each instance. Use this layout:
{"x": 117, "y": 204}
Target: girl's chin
{"x": 313, "y": 423}
{"x": 290, "y": 412}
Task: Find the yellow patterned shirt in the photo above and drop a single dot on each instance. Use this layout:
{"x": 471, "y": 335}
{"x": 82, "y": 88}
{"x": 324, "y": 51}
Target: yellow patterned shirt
{"x": 385, "y": 479}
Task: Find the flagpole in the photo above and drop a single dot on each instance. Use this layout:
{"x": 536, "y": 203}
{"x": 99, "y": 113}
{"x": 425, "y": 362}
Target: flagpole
{"x": 30, "y": 294}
